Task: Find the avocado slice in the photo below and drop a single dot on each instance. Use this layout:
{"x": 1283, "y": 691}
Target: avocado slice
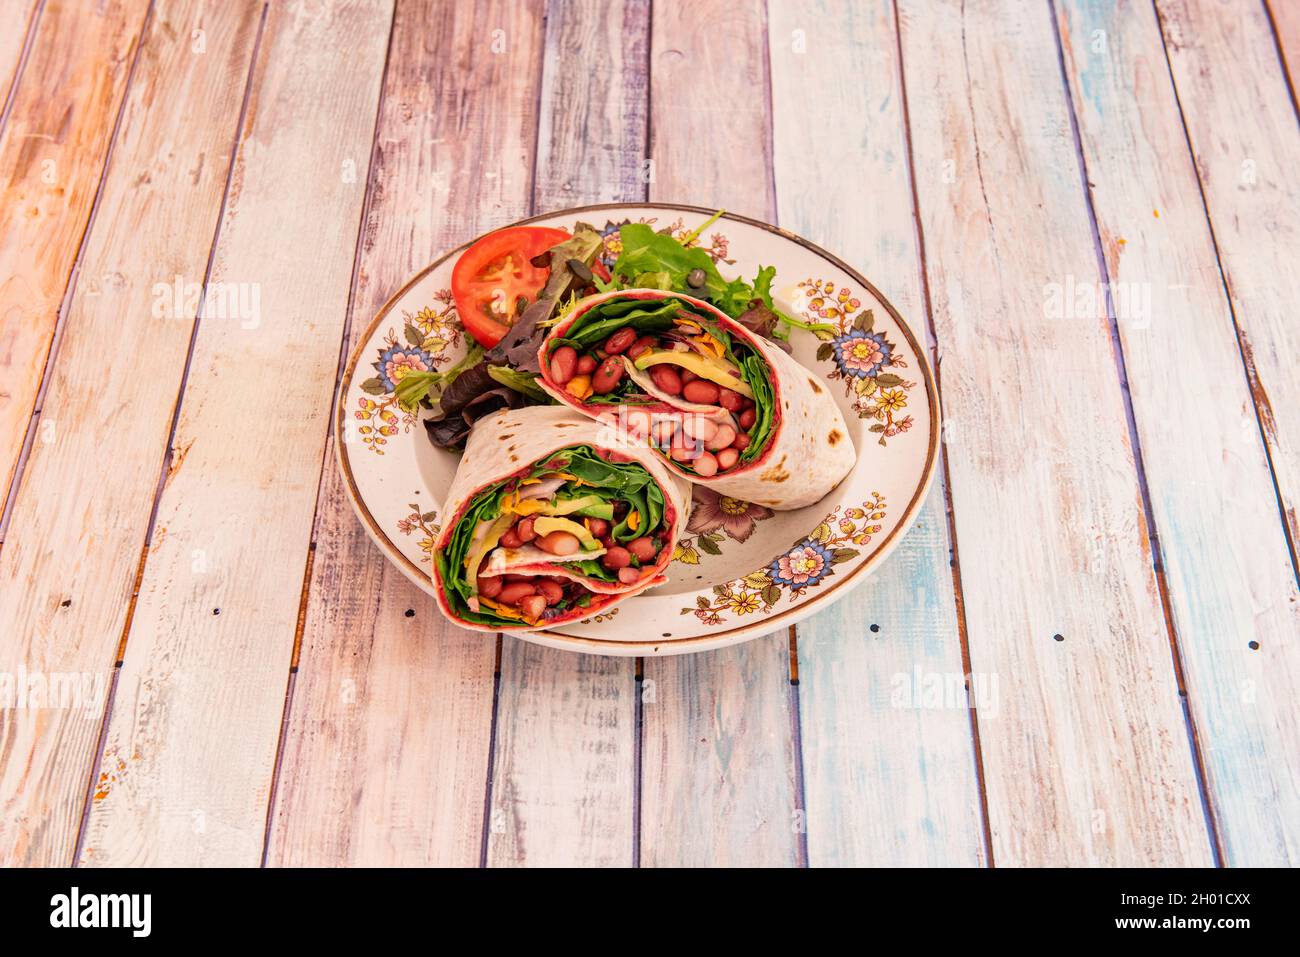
{"x": 591, "y": 505}
{"x": 489, "y": 542}
{"x": 545, "y": 524}
{"x": 715, "y": 370}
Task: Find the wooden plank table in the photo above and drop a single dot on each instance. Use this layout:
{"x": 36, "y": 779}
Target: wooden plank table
{"x": 1086, "y": 207}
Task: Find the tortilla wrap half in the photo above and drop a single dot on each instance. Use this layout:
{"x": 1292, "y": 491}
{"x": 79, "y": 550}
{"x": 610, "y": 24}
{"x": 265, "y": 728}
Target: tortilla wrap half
{"x": 508, "y": 457}
{"x": 807, "y": 451}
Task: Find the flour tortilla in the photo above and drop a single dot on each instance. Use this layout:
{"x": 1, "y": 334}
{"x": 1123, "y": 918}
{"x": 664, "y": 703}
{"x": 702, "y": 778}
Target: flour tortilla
{"x": 510, "y": 443}
{"x": 809, "y": 450}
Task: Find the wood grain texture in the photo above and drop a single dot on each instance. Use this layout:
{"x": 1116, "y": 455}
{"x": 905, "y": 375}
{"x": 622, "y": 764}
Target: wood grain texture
{"x": 565, "y": 771}
{"x": 77, "y": 532}
{"x": 1087, "y": 760}
{"x": 389, "y": 734}
{"x": 591, "y": 137}
{"x": 53, "y": 152}
{"x": 1242, "y": 126}
{"x": 719, "y": 764}
{"x": 563, "y": 778}
{"x": 1285, "y": 15}
{"x": 889, "y": 766}
{"x": 192, "y": 739}
{"x": 1231, "y": 579}
{"x": 17, "y": 17}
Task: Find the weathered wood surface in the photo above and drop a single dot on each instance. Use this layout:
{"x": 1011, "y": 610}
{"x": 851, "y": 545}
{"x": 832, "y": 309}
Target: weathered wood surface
{"x": 56, "y": 138}
{"x": 564, "y": 772}
{"x": 191, "y": 742}
{"x": 719, "y": 763}
{"x": 78, "y": 531}
{"x": 889, "y": 765}
{"x": 19, "y": 20}
{"x": 1242, "y": 128}
{"x": 1232, "y": 583}
{"x": 1087, "y": 760}
{"x": 362, "y": 760}
{"x": 959, "y": 157}
{"x": 1285, "y": 15}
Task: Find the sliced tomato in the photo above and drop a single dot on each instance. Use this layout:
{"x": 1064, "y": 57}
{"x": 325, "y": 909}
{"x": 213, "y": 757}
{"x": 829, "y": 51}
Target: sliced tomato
{"x": 494, "y": 280}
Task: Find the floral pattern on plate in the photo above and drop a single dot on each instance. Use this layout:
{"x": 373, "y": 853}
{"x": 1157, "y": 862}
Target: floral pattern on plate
{"x": 836, "y": 539}
{"x": 427, "y": 335}
{"x": 860, "y": 356}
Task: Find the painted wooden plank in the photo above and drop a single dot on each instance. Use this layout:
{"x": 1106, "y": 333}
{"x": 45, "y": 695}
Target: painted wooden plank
{"x": 1087, "y": 761}
{"x": 719, "y": 763}
{"x": 18, "y": 17}
{"x": 387, "y": 751}
{"x": 51, "y": 158}
{"x": 192, "y": 738}
{"x": 76, "y": 532}
{"x": 1231, "y": 583}
{"x": 1242, "y": 126}
{"x": 888, "y": 750}
{"x": 1285, "y": 15}
{"x": 563, "y": 777}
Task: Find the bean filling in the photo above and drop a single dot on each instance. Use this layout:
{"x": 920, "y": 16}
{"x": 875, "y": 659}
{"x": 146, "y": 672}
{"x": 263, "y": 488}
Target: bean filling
{"x": 707, "y": 443}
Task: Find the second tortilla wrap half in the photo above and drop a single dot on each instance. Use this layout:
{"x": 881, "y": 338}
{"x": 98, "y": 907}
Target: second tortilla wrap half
{"x": 508, "y": 457}
{"x": 807, "y": 451}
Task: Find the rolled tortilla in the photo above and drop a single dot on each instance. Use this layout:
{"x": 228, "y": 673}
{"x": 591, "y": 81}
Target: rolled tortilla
{"x": 506, "y": 456}
{"x": 807, "y": 451}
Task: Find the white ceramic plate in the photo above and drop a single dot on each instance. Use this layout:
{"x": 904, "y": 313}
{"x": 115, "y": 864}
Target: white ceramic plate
{"x": 742, "y": 570}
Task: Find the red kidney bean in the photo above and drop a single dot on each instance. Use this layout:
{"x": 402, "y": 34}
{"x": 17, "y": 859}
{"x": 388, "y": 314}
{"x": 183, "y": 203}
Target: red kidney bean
{"x": 643, "y": 548}
{"x": 731, "y": 401}
{"x": 598, "y": 527}
{"x": 607, "y": 541}
{"x": 617, "y": 343}
{"x": 616, "y": 557}
{"x": 727, "y": 458}
{"x": 705, "y": 465}
{"x": 564, "y": 364}
{"x": 511, "y": 594}
{"x": 698, "y": 427}
{"x": 524, "y": 529}
{"x": 559, "y": 543}
{"x": 608, "y": 376}
{"x": 549, "y": 590}
{"x": 682, "y": 453}
{"x": 640, "y": 346}
{"x": 629, "y": 575}
{"x": 586, "y": 365}
{"x": 665, "y": 377}
{"x": 490, "y": 587}
{"x": 702, "y": 391}
{"x": 724, "y": 436}
{"x": 663, "y": 431}
{"x": 511, "y": 539}
{"x": 687, "y": 376}
{"x": 741, "y": 441}
{"x": 747, "y": 419}
{"x": 532, "y": 606}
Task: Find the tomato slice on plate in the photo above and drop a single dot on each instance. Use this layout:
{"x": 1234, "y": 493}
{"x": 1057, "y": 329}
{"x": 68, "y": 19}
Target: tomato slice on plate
{"x": 494, "y": 281}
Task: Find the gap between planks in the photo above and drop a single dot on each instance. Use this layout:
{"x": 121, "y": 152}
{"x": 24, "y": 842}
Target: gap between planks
{"x": 1144, "y": 487}
{"x": 60, "y": 322}
{"x": 29, "y": 38}
{"x": 1281, "y": 52}
{"x": 932, "y": 344}
{"x": 176, "y": 411}
{"x": 328, "y": 446}
{"x": 1248, "y": 364}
